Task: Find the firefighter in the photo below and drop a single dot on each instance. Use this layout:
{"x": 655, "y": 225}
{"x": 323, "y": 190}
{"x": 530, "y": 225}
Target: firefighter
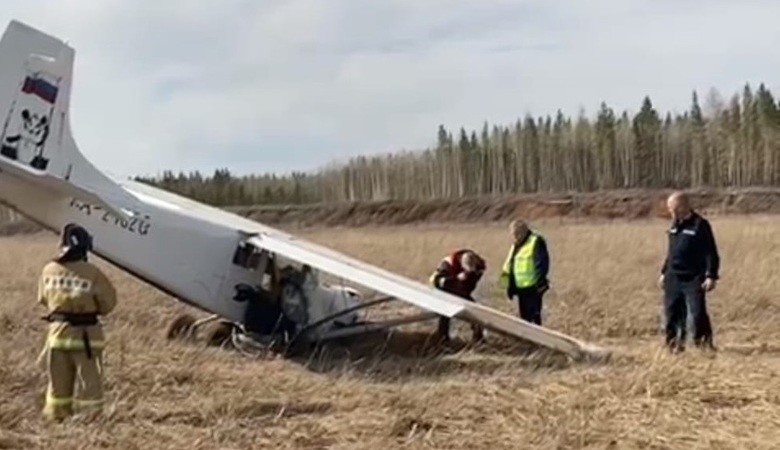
{"x": 524, "y": 274}
{"x": 458, "y": 274}
{"x": 75, "y": 292}
{"x": 689, "y": 271}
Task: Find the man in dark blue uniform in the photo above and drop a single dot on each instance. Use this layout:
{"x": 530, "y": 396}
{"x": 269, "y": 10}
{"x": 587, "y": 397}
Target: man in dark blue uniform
{"x": 688, "y": 272}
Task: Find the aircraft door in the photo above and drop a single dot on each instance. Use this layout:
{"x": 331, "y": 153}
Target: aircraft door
{"x": 248, "y": 266}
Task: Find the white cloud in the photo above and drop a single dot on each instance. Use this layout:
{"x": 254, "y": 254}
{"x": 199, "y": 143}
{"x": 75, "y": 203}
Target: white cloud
{"x": 282, "y": 85}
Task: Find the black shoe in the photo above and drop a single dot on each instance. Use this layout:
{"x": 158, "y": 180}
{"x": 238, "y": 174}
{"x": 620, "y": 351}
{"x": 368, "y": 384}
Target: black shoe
{"x": 706, "y": 345}
{"x": 675, "y": 347}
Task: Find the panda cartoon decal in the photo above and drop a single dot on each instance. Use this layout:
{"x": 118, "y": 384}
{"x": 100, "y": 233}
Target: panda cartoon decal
{"x": 28, "y": 122}
{"x": 30, "y": 138}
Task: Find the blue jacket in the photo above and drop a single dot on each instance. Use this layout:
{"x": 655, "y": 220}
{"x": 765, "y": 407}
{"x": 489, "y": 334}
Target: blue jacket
{"x": 692, "y": 250}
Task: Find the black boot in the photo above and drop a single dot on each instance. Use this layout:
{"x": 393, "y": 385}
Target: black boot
{"x": 477, "y": 334}
{"x": 675, "y": 346}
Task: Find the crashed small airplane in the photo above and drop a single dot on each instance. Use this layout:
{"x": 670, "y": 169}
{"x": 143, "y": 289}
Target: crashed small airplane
{"x": 215, "y": 261}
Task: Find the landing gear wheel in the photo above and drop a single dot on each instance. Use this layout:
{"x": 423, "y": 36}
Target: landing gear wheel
{"x": 181, "y": 327}
{"x": 218, "y": 333}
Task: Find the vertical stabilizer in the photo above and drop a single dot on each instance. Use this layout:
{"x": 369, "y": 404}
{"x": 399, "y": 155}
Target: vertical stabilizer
{"x": 36, "y": 73}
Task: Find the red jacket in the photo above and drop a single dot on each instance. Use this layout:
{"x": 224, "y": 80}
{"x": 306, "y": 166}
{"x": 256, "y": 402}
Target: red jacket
{"x": 446, "y": 276}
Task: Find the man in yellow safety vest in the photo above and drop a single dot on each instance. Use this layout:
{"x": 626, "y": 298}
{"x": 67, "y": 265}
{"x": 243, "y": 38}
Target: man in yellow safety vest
{"x": 75, "y": 292}
{"x": 524, "y": 274}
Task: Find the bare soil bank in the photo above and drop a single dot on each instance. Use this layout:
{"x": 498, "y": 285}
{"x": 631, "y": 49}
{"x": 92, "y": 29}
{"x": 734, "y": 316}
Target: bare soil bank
{"x": 633, "y": 204}
{"x": 626, "y": 204}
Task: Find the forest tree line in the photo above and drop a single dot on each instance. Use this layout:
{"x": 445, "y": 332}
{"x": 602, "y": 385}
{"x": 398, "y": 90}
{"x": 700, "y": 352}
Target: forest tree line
{"x": 734, "y": 143}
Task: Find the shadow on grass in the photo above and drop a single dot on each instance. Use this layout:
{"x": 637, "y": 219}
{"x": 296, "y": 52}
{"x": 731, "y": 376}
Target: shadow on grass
{"x": 401, "y": 356}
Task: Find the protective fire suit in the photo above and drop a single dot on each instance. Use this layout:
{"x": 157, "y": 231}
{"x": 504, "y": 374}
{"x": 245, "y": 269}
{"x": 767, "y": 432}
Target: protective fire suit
{"x": 75, "y": 293}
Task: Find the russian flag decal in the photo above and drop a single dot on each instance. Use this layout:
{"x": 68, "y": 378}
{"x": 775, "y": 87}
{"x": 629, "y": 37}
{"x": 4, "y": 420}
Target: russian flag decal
{"x": 41, "y": 88}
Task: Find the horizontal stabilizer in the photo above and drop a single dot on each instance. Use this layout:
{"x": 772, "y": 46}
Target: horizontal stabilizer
{"x": 119, "y": 203}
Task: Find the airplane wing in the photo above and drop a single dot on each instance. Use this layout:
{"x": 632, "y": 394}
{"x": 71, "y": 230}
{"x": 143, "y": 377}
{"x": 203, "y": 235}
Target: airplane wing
{"x": 107, "y": 200}
{"x": 418, "y": 294}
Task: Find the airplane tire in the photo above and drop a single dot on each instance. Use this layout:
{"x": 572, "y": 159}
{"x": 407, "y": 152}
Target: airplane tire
{"x": 180, "y": 326}
{"x": 218, "y": 334}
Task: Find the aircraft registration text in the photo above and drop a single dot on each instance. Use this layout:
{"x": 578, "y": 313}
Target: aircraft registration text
{"x": 135, "y": 225}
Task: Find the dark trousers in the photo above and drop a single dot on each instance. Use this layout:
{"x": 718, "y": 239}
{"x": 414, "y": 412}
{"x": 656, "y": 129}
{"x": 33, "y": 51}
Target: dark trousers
{"x": 529, "y": 304}
{"x": 477, "y": 333}
{"x": 684, "y": 296}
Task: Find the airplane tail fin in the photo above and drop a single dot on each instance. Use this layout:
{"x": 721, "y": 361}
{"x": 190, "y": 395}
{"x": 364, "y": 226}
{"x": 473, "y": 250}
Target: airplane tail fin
{"x": 36, "y": 72}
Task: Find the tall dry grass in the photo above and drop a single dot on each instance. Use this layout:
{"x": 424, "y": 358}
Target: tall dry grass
{"x": 175, "y": 395}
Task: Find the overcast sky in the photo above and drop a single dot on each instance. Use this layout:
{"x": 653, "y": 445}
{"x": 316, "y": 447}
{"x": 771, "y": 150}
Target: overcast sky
{"x": 279, "y": 85}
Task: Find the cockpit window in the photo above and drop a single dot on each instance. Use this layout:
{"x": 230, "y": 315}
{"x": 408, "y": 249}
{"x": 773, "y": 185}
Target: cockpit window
{"x": 248, "y": 256}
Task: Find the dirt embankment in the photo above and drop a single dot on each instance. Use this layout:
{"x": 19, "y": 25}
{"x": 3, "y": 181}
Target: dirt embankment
{"x": 602, "y": 205}
{"x": 634, "y": 204}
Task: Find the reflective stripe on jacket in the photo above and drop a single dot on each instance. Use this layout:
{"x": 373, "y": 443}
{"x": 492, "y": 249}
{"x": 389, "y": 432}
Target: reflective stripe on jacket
{"x": 77, "y": 287}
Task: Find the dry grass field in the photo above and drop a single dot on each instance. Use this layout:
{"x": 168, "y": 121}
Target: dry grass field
{"x": 174, "y": 395}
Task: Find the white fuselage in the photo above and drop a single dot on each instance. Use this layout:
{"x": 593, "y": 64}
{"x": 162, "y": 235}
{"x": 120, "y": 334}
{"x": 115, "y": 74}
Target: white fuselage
{"x": 187, "y": 257}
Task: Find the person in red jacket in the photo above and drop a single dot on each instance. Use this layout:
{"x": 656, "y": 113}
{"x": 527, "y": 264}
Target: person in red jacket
{"x": 458, "y": 274}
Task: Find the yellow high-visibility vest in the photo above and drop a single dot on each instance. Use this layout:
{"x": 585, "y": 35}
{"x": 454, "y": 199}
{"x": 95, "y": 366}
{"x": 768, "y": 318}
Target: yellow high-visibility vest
{"x": 522, "y": 262}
